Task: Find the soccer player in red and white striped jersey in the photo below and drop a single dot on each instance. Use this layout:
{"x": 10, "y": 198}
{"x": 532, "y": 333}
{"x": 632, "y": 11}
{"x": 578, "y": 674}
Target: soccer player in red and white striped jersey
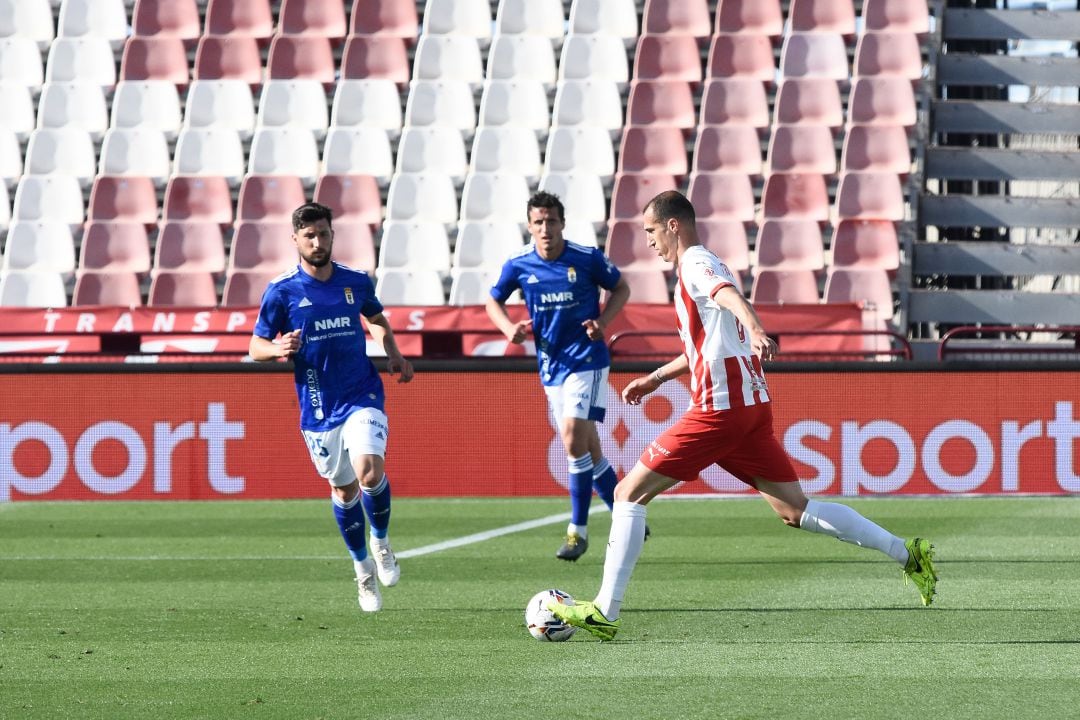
{"x": 729, "y": 423}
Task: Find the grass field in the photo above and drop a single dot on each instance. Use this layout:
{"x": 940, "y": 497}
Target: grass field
{"x": 248, "y": 610}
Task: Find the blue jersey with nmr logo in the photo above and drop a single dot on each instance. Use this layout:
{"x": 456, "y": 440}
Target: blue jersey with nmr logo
{"x": 334, "y": 375}
{"x": 561, "y": 294}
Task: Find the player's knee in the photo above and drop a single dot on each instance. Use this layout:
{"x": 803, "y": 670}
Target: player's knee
{"x": 370, "y": 477}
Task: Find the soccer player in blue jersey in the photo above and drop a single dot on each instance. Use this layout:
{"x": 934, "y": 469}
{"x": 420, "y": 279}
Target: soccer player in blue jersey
{"x": 561, "y": 284}
{"x": 311, "y": 314}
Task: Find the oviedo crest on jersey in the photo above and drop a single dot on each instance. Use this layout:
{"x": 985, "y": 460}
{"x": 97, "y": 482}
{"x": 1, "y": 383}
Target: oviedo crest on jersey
{"x": 348, "y": 295}
{"x": 571, "y": 274}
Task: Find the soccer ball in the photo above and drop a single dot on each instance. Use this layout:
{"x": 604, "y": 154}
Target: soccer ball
{"x": 542, "y": 624}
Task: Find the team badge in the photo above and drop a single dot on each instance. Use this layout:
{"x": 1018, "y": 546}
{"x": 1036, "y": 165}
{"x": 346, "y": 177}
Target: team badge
{"x": 571, "y": 275}
{"x": 348, "y": 295}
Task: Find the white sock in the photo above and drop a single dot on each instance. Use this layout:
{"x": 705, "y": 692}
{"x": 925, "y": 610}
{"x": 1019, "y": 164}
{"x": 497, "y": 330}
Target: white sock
{"x": 364, "y": 567}
{"x": 843, "y": 523}
{"x": 375, "y": 542}
{"x": 624, "y": 546}
{"x": 581, "y": 531}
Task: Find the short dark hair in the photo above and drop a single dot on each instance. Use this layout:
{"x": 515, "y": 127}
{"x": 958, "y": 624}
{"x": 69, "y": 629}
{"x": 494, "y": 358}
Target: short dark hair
{"x": 309, "y": 214}
{"x": 544, "y": 199}
{"x": 672, "y": 204}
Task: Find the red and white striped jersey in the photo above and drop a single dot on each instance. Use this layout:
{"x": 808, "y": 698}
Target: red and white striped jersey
{"x": 725, "y": 373}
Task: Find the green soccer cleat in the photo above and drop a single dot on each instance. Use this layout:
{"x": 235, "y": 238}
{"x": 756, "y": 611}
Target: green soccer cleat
{"x": 920, "y": 568}
{"x": 574, "y": 547}
{"x": 587, "y": 616}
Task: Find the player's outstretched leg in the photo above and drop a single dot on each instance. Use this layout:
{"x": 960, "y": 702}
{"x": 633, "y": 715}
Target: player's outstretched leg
{"x": 581, "y": 489}
{"x": 587, "y": 616}
{"x": 377, "y": 506}
{"x": 920, "y": 568}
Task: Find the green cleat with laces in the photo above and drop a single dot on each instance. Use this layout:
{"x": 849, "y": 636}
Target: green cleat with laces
{"x": 920, "y": 568}
{"x": 586, "y": 616}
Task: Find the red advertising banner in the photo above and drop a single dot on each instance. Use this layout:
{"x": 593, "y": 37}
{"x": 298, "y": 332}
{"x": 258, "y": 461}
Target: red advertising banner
{"x": 190, "y": 435}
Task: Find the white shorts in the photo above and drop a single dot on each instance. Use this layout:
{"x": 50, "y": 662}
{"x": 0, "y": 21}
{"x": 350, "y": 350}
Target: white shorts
{"x": 363, "y": 433}
{"x": 582, "y": 395}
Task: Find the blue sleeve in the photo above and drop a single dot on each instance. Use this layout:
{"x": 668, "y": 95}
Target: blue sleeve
{"x": 507, "y": 283}
{"x": 371, "y": 306}
{"x": 604, "y": 271}
{"x": 273, "y": 315}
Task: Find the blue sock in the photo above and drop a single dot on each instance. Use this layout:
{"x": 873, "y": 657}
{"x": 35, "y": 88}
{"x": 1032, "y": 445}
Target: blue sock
{"x": 376, "y": 503}
{"x": 604, "y": 480}
{"x": 350, "y": 519}
{"x": 581, "y": 472}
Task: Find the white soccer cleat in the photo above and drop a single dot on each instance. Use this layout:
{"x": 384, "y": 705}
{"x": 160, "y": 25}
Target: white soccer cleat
{"x": 386, "y": 563}
{"x": 368, "y": 593}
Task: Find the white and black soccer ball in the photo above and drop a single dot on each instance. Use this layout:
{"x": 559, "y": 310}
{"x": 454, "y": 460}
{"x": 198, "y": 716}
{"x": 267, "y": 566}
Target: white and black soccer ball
{"x": 542, "y": 624}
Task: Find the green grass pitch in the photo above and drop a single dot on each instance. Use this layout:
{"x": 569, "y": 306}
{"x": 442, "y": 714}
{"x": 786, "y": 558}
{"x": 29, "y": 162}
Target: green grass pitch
{"x": 248, "y": 610}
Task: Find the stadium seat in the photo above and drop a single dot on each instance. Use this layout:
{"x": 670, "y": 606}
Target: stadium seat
{"x": 433, "y": 149}
{"x": 407, "y": 246}
{"x": 801, "y": 149}
{"x": 667, "y": 57}
{"x": 40, "y": 246}
{"x": 20, "y": 63}
{"x": 422, "y": 197}
{"x": 353, "y": 198}
{"x": 111, "y": 287}
{"x": 209, "y": 151}
{"x": 507, "y": 149}
{"x": 727, "y": 148}
{"x": 167, "y": 18}
{"x": 448, "y": 57}
{"x": 245, "y": 288}
{"x": 583, "y": 232}
{"x": 354, "y": 245}
{"x": 372, "y": 103}
{"x": 727, "y": 196}
{"x": 814, "y": 55}
{"x": 75, "y": 105}
{"x": 19, "y": 113}
{"x": 866, "y": 244}
{"x": 182, "y": 289}
{"x": 588, "y": 102}
{"x": 410, "y": 287}
{"x": 824, "y": 16}
{"x": 885, "y": 100}
{"x": 64, "y": 151}
{"x": 632, "y": 191}
{"x": 31, "y": 19}
{"x": 155, "y": 58}
{"x": 582, "y": 195}
{"x": 795, "y": 196}
{"x": 895, "y": 16}
{"x": 49, "y": 197}
{"x": 876, "y": 148}
{"x": 493, "y": 197}
{"x": 727, "y": 240}
{"x": 285, "y": 151}
{"x": 376, "y": 57}
{"x": 754, "y": 17}
{"x": 469, "y": 18}
{"x": 109, "y": 246}
{"x": 517, "y": 102}
{"x": 870, "y": 196}
{"x": 5, "y": 208}
{"x": 734, "y": 101}
{"x": 301, "y": 56}
{"x": 446, "y": 103}
{"x": 742, "y": 56}
{"x": 870, "y": 285}
{"x": 617, "y": 18}
{"x": 240, "y": 18}
{"x": 531, "y": 17}
{"x": 263, "y": 245}
{"x": 358, "y": 150}
{"x": 123, "y": 199}
{"x": 225, "y": 104}
{"x": 81, "y": 59}
{"x": 198, "y": 199}
{"x": 648, "y": 286}
{"x": 653, "y": 150}
{"x": 298, "y": 104}
{"x": 190, "y": 247}
{"x": 594, "y": 57}
{"x": 628, "y": 249}
{"x": 888, "y": 53}
{"x": 809, "y": 101}
{"x": 486, "y": 244}
{"x": 522, "y": 57}
{"x": 106, "y": 19}
{"x": 772, "y": 287}
{"x": 32, "y": 289}
{"x": 233, "y": 57}
{"x": 661, "y": 103}
{"x": 136, "y": 151}
{"x": 269, "y": 197}
{"x": 150, "y": 104}
{"x": 389, "y": 18}
{"x": 580, "y": 149}
{"x": 322, "y": 18}
{"x": 790, "y": 245}
{"x": 676, "y": 17}
{"x": 471, "y": 286}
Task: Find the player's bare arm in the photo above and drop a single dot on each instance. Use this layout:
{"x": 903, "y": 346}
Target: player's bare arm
{"x": 515, "y": 332}
{"x": 617, "y": 299}
{"x": 760, "y": 342}
{"x": 263, "y": 349}
{"x": 396, "y": 364}
{"x": 638, "y": 388}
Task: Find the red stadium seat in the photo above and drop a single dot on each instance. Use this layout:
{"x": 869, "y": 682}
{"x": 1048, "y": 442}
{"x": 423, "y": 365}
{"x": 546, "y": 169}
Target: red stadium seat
{"x": 263, "y": 245}
{"x": 676, "y": 17}
{"x": 322, "y": 18}
{"x": 628, "y": 249}
{"x": 240, "y": 18}
{"x": 155, "y": 58}
{"x": 727, "y": 196}
{"x": 885, "y": 100}
{"x": 661, "y": 103}
{"x": 831, "y": 16}
{"x": 667, "y": 57}
{"x": 202, "y": 198}
{"x": 727, "y": 148}
{"x": 734, "y": 101}
{"x": 757, "y": 17}
{"x": 809, "y": 101}
{"x": 128, "y": 199}
{"x": 353, "y": 198}
{"x": 235, "y": 57}
{"x": 888, "y": 53}
{"x": 190, "y": 247}
{"x": 802, "y": 149}
{"x": 654, "y": 150}
{"x": 244, "y": 288}
{"x": 632, "y": 191}
{"x": 107, "y": 288}
{"x": 648, "y": 286}
{"x": 727, "y": 240}
{"x": 376, "y": 57}
{"x": 773, "y": 287}
{"x": 870, "y": 196}
{"x": 895, "y": 16}
{"x": 167, "y": 18}
{"x": 790, "y": 245}
{"x": 795, "y": 197}
{"x": 746, "y": 56}
{"x": 182, "y": 289}
{"x": 876, "y": 148}
{"x": 111, "y": 246}
{"x": 301, "y": 56}
{"x": 865, "y": 244}
{"x": 269, "y": 197}
{"x": 814, "y": 54}
{"x": 393, "y": 18}
{"x": 871, "y": 286}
